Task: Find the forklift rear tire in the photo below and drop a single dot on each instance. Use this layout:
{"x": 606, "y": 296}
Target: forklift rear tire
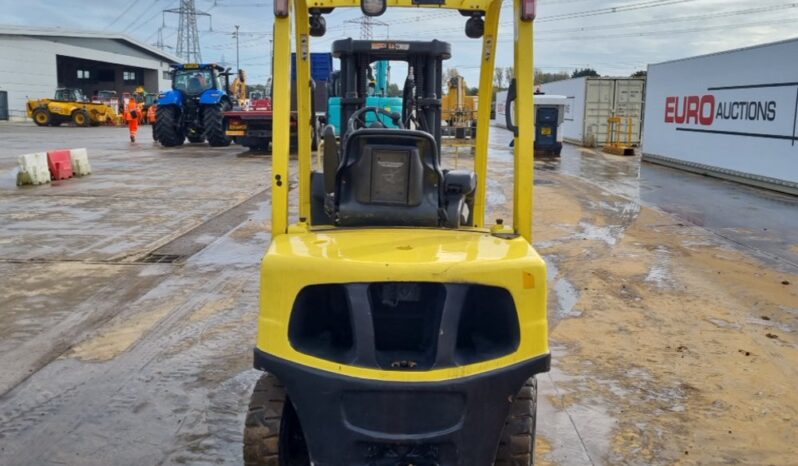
{"x": 42, "y": 117}
{"x": 81, "y": 118}
{"x": 272, "y": 433}
{"x": 517, "y": 444}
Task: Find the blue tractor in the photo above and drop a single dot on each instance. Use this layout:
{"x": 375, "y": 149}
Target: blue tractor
{"x": 194, "y": 107}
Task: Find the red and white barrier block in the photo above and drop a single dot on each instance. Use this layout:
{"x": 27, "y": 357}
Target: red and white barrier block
{"x": 80, "y": 162}
{"x": 41, "y": 167}
{"x": 33, "y": 169}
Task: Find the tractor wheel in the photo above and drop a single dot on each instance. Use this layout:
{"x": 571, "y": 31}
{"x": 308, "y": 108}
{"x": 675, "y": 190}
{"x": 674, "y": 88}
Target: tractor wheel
{"x": 42, "y": 117}
{"x": 168, "y": 131}
{"x": 272, "y": 434}
{"x": 517, "y": 444}
{"x": 213, "y": 121}
{"x": 81, "y": 118}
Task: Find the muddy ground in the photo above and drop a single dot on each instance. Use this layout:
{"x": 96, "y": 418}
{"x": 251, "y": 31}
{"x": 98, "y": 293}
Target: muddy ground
{"x": 128, "y": 301}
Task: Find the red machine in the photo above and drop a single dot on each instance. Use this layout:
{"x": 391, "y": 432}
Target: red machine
{"x": 251, "y": 126}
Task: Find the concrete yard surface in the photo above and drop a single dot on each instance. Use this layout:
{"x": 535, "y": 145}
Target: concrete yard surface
{"x": 128, "y": 306}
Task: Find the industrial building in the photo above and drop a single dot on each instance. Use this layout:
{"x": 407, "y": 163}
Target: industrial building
{"x": 34, "y": 62}
{"x": 730, "y": 114}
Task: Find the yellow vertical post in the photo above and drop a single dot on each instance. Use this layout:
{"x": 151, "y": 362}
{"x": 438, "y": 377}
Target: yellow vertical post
{"x": 525, "y": 120}
{"x": 281, "y": 123}
{"x": 304, "y": 112}
{"x": 483, "y": 112}
{"x": 629, "y": 132}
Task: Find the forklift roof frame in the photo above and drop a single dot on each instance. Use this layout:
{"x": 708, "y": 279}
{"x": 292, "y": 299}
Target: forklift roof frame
{"x": 299, "y": 11}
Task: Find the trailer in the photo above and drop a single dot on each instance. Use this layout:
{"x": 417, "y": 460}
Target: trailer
{"x": 251, "y": 125}
{"x": 593, "y": 101}
{"x": 731, "y": 114}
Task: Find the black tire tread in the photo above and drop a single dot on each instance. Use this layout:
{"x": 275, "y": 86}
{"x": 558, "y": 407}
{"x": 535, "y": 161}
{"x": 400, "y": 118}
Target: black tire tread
{"x": 86, "y": 118}
{"x": 166, "y": 130}
{"x": 263, "y": 423}
{"x": 213, "y": 121}
{"x": 517, "y": 444}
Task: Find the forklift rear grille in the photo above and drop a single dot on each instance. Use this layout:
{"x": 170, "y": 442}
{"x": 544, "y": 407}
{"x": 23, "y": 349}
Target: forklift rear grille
{"x": 406, "y": 319}
{"x": 321, "y": 323}
{"x": 404, "y": 326}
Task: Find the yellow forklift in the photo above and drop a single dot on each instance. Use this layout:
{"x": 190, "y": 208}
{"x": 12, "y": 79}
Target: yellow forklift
{"x": 397, "y": 326}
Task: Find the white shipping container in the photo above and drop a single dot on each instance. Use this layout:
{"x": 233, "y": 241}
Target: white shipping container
{"x": 501, "y": 109}
{"x": 731, "y": 114}
{"x": 592, "y": 101}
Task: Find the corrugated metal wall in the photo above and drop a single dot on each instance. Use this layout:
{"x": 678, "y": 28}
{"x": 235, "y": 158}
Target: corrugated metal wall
{"x": 28, "y": 67}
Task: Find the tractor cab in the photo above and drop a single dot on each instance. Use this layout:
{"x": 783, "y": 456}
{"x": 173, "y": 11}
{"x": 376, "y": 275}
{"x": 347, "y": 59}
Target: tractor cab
{"x": 386, "y": 170}
{"x": 193, "y": 80}
{"x": 397, "y": 324}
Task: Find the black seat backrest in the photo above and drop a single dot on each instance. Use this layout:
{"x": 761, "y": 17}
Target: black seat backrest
{"x": 389, "y": 177}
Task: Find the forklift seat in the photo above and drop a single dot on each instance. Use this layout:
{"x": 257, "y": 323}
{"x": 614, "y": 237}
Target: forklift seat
{"x": 389, "y": 177}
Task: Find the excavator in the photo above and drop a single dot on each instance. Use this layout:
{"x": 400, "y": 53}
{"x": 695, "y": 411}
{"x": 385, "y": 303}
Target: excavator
{"x": 398, "y": 325}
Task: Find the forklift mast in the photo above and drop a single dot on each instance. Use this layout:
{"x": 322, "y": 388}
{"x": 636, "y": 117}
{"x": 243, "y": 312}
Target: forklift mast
{"x": 423, "y": 88}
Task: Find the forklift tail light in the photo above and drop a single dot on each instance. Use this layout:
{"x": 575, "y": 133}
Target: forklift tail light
{"x": 528, "y": 10}
{"x": 373, "y": 7}
{"x": 281, "y": 8}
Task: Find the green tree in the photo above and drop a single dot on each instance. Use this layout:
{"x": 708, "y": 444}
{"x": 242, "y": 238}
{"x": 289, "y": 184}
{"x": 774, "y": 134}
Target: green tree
{"x": 640, "y": 74}
{"x": 394, "y": 90}
{"x": 543, "y": 78}
{"x": 498, "y": 78}
{"x": 585, "y": 72}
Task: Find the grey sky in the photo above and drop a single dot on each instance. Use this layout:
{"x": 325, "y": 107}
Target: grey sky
{"x": 569, "y": 33}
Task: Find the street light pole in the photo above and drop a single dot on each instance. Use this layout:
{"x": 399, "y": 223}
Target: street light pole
{"x": 238, "y": 66}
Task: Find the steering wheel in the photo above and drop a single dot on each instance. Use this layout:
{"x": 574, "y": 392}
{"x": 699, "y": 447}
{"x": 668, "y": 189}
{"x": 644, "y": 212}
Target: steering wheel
{"x": 358, "y": 118}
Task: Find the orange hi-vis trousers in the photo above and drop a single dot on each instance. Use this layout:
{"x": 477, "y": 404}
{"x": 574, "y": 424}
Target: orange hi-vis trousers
{"x": 133, "y": 125}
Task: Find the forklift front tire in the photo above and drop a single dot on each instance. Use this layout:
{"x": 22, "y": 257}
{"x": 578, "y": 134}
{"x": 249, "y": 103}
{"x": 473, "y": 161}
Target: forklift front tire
{"x": 272, "y": 433}
{"x": 517, "y": 444}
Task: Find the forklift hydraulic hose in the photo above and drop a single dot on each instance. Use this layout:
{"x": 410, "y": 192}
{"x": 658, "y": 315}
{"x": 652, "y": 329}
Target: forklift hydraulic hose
{"x": 508, "y": 109}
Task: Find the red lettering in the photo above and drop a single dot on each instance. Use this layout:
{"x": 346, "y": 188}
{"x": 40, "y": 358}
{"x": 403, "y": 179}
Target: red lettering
{"x": 707, "y": 105}
{"x": 670, "y": 108}
{"x": 693, "y": 104}
{"x": 680, "y": 118}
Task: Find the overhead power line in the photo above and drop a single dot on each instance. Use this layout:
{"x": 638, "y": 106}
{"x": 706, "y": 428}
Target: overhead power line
{"x": 678, "y": 19}
{"x": 123, "y": 13}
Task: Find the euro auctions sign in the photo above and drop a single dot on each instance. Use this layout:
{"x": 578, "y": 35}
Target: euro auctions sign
{"x": 733, "y": 110}
{"x": 734, "y": 113}
{"x": 705, "y": 110}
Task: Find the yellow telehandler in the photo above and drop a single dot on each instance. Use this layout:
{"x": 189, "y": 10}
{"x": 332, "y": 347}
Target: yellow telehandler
{"x": 68, "y": 105}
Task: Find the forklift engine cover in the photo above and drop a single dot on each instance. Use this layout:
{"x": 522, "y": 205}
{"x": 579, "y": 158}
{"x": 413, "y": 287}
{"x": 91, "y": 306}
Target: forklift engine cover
{"x": 377, "y": 353}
